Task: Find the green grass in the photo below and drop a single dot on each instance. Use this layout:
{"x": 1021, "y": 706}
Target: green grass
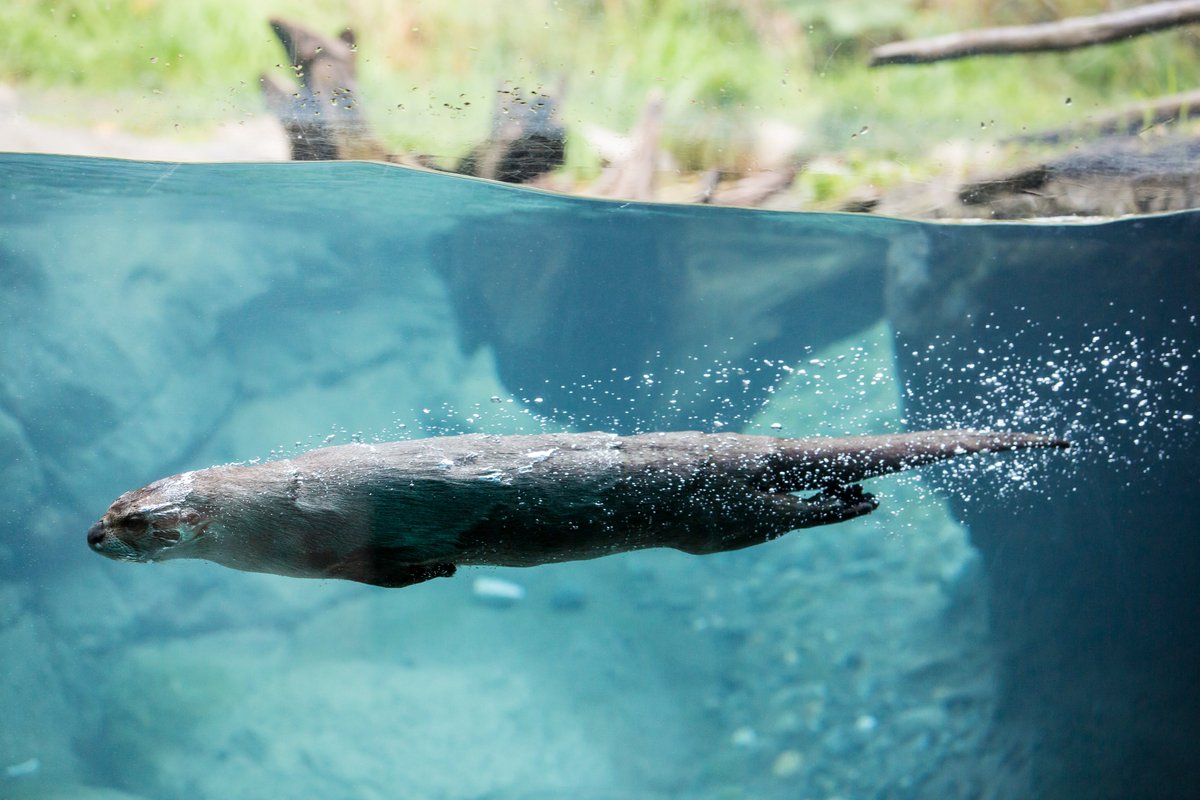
{"x": 428, "y": 71}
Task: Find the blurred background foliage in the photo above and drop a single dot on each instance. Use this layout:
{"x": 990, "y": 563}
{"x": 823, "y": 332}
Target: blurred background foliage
{"x": 429, "y": 70}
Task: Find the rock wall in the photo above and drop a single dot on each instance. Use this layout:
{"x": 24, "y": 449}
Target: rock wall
{"x": 134, "y": 351}
{"x": 1093, "y": 332}
{"x": 578, "y": 300}
{"x": 159, "y": 317}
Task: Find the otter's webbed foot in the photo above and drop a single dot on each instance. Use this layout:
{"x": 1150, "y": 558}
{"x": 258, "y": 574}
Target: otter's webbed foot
{"x": 834, "y": 503}
{"x": 776, "y": 514}
{"x": 379, "y": 566}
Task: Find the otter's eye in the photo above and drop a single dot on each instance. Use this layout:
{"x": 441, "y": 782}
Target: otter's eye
{"x": 135, "y": 523}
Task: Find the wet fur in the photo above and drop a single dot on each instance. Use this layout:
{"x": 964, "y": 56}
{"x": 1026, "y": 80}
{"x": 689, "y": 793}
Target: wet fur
{"x": 398, "y": 513}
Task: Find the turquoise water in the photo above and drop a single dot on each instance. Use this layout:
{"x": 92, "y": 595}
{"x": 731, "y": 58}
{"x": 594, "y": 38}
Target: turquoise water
{"x": 1017, "y": 623}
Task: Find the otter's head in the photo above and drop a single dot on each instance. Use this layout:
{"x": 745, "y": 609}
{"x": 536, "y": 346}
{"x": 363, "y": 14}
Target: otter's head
{"x": 149, "y": 524}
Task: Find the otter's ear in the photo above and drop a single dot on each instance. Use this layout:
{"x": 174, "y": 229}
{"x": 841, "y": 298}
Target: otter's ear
{"x": 379, "y": 566}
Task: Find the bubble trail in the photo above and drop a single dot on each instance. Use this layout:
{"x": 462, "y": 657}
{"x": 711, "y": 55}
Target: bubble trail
{"x": 1125, "y": 400}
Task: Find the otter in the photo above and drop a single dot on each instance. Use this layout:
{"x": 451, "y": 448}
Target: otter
{"x": 399, "y": 513}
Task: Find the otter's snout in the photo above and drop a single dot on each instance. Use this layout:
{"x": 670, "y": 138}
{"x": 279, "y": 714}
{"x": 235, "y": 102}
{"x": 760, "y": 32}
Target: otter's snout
{"x": 95, "y": 535}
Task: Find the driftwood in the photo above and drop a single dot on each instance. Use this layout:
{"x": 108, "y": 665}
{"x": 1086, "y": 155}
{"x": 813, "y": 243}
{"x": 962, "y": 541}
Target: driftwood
{"x": 1065, "y": 34}
{"x": 527, "y": 140}
{"x": 633, "y": 174}
{"x": 633, "y": 177}
{"x": 322, "y": 119}
{"x": 400, "y": 513}
{"x": 748, "y": 191}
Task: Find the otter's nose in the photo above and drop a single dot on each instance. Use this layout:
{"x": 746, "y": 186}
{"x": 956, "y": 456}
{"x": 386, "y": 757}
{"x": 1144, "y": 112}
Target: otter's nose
{"x": 95, "y": 535}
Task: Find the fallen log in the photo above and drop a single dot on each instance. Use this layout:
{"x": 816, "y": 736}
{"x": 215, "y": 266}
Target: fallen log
{"x": 749, "y": 191}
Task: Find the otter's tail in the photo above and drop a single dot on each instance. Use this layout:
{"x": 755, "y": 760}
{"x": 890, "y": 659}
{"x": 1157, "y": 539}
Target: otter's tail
{"x": 819, "y": 463}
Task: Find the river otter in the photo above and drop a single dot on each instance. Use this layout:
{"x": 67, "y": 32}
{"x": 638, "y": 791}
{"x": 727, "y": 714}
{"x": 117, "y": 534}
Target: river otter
{"x": 399, "y": 513}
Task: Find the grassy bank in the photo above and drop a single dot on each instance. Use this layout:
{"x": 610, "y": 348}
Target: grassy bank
{"x": 429, "y": 70}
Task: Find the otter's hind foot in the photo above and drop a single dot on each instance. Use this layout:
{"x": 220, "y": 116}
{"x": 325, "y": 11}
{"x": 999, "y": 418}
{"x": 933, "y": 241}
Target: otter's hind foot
{"x": 834, "y": 503}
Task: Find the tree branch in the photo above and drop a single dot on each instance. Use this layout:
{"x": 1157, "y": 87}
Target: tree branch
{"x": 1065, "y": 34}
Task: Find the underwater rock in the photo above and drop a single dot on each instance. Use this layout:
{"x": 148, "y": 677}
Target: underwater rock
{"x": 164, "y": 332}
{"x": 543, "y": 704}
{"x": 38, "y": 789}
{"x": 13, "y": 598}
{"x": 497, "y": 592}
{"x": 112, "y": 400}
{"x": 40, "y": 721}
{"x": 20, "y": 474}
{"x": 29, "y": 766}
{"x": 568, "y": 599}
{"x": 1092, "y": 578}
{"x": 582, "y": 305}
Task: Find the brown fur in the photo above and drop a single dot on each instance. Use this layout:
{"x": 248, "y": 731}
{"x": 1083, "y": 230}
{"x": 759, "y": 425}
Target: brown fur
{"x": 399, "y": 513}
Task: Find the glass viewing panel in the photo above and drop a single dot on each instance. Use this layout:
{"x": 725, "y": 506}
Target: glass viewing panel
{"x": 281, "y": 238}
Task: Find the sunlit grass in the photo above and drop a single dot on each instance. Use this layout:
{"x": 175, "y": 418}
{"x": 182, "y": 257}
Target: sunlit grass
{"x": 429, "y": 70}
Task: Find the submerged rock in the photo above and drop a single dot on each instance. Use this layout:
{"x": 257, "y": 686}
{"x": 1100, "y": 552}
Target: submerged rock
{"x": 617, "y": 325}
{"x": 1092, "y": 579}
{"x": 497, "y": 592}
